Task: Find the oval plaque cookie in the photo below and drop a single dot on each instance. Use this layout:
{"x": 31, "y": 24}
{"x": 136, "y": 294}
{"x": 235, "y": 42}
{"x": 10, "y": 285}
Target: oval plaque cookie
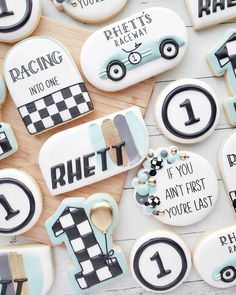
{"x": 91, "y": 11}
{"x": 20, "y": 202}
{"x": 177, "y": 188}
{"x": 45, "y": 84}
{"x": 18, "y": 19}
{"x": 214, "y": 257}
{"x": 187, "y": 111}
{"x": 160, "y": 261}
{"x": 94, "y": 151}
{"x": 134, "y": 49}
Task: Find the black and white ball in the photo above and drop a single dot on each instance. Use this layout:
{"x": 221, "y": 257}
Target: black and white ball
{"x": 157, "y": 163}
{"x": 153, "y": 201}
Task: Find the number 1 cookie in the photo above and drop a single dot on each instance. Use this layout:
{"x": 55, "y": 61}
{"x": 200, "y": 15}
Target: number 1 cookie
{"x": 134, "y": 49}
{"x": 187, "y": 111}
{"x": 45, "y": 84}
{"x": 160, "y": 261}
{"x": 86, "y": 227}
{"x": 177, "y": 188}
{"x": 18, "y": 19}
{"x": 91, "y": 11}
{"x": 222, "y": 60}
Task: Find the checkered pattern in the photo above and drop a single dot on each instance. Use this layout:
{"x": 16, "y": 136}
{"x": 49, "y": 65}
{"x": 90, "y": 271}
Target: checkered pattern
{"x": 57, "y": 108}
{"x": 95, "y": 269}
{"x": 5, "y": 145}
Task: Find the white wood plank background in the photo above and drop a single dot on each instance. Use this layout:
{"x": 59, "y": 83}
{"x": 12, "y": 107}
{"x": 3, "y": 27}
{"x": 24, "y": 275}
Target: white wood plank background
{"x": 133, "y": 223}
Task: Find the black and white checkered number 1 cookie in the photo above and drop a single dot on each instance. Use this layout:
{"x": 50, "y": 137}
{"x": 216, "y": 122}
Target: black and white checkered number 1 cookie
{"x": 45, "y": 84}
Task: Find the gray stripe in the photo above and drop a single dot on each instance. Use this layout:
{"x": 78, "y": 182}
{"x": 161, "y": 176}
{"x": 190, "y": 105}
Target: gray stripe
{"x": 5, "y": 273}
{"x": 126, "y": 136}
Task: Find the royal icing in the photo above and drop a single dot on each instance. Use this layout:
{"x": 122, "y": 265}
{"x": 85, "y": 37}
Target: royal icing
{"x": 160, "y": 261}
{"x": 227, "y": 162}
{"x": 26, "y": 270}
{"x": 187, "y": 111}
{"x": 18, "y": 19}
{"x": 206, "y": 13}
{"x": 177, "y": 188}
{"x": 91, "y": 11}
{"x": 134, "y": 49}
{"x": 45, "y": 84}
{"x": 20, "y": 202}
{"x": 222, "y": 60}
{"x": 214, "y": 257}
{"x": 106, "y": 147}
{"x": 95, "y": 259}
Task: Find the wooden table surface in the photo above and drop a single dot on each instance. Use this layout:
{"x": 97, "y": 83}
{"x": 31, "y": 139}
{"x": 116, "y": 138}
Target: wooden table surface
{"x": 133, "y": 223}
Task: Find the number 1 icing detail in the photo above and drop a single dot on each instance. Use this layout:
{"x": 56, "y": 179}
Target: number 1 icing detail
{"x": 18, "y": 19}
{"x": 222, "y": 60}
{"x": 86, "y": 227}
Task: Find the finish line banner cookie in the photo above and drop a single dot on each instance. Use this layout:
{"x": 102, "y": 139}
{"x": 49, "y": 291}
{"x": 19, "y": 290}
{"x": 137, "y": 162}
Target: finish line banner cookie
{"x": 45, "y": 84}
{"x": 134, "y": 49}
{"x": 94, "y": 151}
{"x": 177, "y": 188}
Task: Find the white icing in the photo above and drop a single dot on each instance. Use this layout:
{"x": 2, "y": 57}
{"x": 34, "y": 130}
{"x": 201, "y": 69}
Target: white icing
{"x": 92, "y": 11}
{"x": 19, "y": 200}
{"x": 225, "y": 10}
{"x": 227, "y": 162}
{"x": 151, "y": 26}
{"x": 170, "y": 258}
{"x": 19, "y": 8}
{"x": 215, "y": 252}
{"x": 204, "y": 105}
{"x": 44, "y": 254}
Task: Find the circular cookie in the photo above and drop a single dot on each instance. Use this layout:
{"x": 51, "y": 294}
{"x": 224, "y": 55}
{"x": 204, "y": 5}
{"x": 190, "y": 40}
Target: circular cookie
{"x": 177, "y": 188}
{"x": 187, "y": 111}
{"x": 91, "y": 11}
{"x": 160, "y": 261}
{"x": 20, "y": 202}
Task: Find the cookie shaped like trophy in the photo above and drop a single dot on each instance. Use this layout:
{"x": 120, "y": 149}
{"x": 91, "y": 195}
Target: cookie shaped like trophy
{"x": 177, "y": 188}
{"x": 45, "y": 84}
{"x": 26, "y": 270}
{"x": 134, "y": 49}
{"x": 8, "y": 142}
{"x": 90, "y": 11}
{"x": 86, "y": 227}
{"x": 18, "y": 19}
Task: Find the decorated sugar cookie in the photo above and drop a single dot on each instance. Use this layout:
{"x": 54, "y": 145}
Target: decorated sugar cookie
{"x": 134, "y": 49}
{"x": 211, "y": 12}
{"x": 18, "y": 19}
{"x": 222, "y": 60}
{"x": 20, "y": 202}
{"x": 111, "y": 145}
{"x": 86, "y": 227}
{"x": 187, "y": 111}
{"x": 91, "y": 11}
{"x": 45, "y": 84}
{"x": 177, "y": 188}
{"x": 160, "y": 261}
{"x": 214, "y": 257}
{"x": 8, "y": 142}
{"x": 227, "y": 162}
{"x": 26, "y": 270}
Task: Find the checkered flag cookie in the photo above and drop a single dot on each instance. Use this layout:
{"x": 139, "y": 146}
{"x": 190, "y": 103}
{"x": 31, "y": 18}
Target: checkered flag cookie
{"x": 96, "y": 266}
{"x": 56, "y": 108}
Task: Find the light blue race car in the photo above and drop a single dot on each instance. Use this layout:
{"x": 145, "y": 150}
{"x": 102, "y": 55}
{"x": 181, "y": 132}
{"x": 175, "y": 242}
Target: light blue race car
{"x": 226, "y": 272}
{"x": 117, "y": 66}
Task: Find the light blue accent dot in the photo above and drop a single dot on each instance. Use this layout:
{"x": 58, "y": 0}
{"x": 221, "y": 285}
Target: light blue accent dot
{"x": 143, "y": 189}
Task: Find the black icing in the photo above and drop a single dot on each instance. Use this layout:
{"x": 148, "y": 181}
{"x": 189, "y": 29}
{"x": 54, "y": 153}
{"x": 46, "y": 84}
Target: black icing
{"x": 31, "y": 199}
{"x": 21, "y": 22}
{"x": 167, "y": 101}
{"x": 152, "y": 242}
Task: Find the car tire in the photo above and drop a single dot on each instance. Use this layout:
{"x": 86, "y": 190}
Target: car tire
{"x": 228, "y": 274}
{"x": 116, "y": 70}
{"x": 169, "y": 49}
